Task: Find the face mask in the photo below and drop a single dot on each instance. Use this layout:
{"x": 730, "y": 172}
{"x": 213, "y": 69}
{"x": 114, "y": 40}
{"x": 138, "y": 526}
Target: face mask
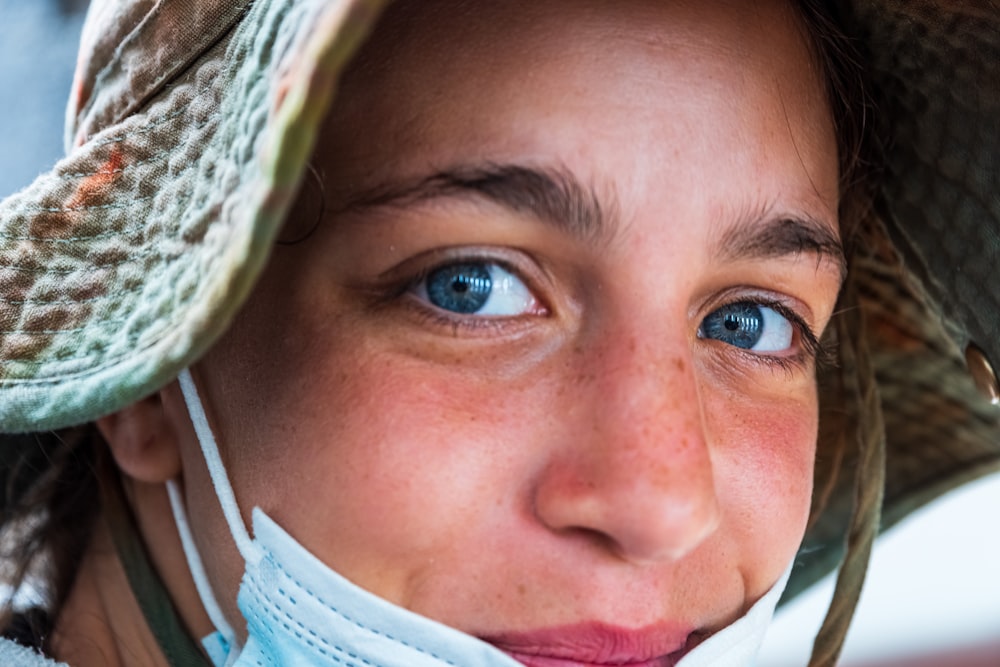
{"x": 299, "y": 612}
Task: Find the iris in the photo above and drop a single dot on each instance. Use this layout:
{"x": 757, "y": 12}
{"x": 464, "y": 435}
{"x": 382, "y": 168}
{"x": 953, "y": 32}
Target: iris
{"x": 460, "y": 288}
{"x": 738, "y": 324}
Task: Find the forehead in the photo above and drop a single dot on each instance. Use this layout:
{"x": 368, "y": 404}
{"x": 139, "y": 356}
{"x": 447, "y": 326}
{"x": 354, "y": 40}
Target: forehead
{"x": 448, "y": 82}
{"x": 443, "y": 41}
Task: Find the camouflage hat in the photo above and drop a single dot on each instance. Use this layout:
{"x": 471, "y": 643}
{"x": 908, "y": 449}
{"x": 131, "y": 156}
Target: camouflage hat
{"x": 189, "y": 128}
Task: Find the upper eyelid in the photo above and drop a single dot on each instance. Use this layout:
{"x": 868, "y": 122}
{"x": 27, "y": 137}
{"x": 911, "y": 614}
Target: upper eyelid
{"x": 517, "y": 262}
{"x": 809, "y": 339}
{"x": 439, "y": 257}
{"x": 506, "y": 266}
{"x": 784, "y": 303}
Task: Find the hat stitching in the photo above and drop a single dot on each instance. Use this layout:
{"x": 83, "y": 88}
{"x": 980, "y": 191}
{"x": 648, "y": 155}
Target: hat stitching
{"x": 60, "y": 377}
{"x": 75, "y": 302}
{"x": 52, "y": 332}
{"x": 94, "y": 237}
{"x": 128, "y": 260}
{"x": 139, "y": 163}
{"x": 61, "y": 302}
{"x": 163, "y": 335}
{"x": 121, "y": 206}
{"x": 71, "y": 209}
{"x": 146, "y": 129}
{"x": 115, "y": 69}
{"x": 110, "y": 361}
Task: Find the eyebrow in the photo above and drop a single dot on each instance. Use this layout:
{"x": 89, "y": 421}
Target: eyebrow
{"x": 557, "y": 197}
{"x": 782, "y": 237}
{"x": 554, "y": 196}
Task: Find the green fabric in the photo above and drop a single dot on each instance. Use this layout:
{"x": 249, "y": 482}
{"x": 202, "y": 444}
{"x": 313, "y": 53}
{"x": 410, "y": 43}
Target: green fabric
{"x": 157, "y": 608}
{"x": 122, "y": 265}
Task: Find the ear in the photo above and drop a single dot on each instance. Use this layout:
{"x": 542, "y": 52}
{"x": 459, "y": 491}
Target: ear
{"x": 143, "y": 441}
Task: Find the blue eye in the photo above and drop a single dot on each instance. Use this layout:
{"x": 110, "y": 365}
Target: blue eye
{"x": 749, "y": 326}
{"x": 481, "y": 288}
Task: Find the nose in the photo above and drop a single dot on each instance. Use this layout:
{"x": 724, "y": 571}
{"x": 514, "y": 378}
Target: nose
{"x": 633, "y": 470}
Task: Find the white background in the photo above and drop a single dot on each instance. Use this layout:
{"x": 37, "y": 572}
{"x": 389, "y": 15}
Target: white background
{"x": 933, "y": 590}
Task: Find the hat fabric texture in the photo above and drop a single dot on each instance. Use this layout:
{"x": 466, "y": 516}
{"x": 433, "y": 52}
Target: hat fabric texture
{"x": 189, "y": 129}
{"x": 191, "y": 122}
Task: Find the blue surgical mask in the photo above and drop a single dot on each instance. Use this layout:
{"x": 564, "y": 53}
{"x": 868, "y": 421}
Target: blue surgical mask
{"x": 299, "y": 612}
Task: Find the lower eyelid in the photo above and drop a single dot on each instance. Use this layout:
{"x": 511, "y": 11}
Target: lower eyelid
{"x": 452, "y": 323}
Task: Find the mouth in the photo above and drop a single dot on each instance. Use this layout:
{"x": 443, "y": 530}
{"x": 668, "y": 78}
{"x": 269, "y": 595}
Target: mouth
{"x": 598, "y": 645}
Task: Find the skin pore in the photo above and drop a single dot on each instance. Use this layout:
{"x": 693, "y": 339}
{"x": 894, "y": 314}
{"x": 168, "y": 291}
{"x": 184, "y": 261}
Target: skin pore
{"x": 589, "y": 448}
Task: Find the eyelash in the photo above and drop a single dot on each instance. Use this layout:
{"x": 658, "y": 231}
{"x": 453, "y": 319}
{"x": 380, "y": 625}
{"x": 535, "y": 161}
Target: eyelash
{"x": 398, "y": 289}
{"x": 810, "y": 349}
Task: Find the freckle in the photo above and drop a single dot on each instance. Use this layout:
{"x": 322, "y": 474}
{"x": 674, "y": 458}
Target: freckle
{"x": 679, "y": 364}
{"x": 631, "y": 345}
{"x": 521, "y": 589}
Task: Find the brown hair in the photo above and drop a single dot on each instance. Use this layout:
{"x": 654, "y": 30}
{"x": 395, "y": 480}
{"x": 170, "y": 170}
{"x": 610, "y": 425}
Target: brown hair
{"x": 49, "y": 504}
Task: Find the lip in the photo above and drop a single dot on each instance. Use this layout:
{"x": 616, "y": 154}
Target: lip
{"x": 597, "y": 645}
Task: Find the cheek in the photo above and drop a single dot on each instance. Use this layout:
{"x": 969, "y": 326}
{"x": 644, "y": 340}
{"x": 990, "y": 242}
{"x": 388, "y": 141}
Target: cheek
{"x": 764, "y": 471}
{"x": 379, "y": 464}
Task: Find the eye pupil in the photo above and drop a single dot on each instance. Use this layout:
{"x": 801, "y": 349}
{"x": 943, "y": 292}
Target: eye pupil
{"x": 460, "y": 288}
{"x": 738, "y": 324}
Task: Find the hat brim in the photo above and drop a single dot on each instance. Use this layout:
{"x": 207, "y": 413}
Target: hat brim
{"x": 123, "y": 264}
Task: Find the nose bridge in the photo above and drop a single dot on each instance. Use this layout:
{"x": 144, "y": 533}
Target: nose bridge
{"x": 639, "y": 470}
{"x": 650, "y": 381}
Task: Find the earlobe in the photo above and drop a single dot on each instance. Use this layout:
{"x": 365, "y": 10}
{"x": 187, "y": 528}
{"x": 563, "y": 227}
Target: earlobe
{"x": 143, "y": 442}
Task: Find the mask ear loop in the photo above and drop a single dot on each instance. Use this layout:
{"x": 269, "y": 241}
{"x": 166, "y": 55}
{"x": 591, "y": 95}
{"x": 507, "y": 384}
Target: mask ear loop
{"x": 227, "y": 500}
{"x": 201, "y": 583}
{"x": 216, "y": 469}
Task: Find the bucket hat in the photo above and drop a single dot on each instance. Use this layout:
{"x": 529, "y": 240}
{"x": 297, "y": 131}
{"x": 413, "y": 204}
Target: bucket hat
{"x": 189, "y": 128}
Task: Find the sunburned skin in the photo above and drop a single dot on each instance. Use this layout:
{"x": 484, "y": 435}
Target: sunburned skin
{"x": 593, "y": 459}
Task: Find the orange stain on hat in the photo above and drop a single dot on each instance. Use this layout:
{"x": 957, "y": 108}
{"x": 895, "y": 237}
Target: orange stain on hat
{"x": 90, "y": 192}
{"x": 93, "y": 187}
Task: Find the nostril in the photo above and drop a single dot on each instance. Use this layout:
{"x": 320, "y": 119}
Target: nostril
{"x": 594, "y": 538}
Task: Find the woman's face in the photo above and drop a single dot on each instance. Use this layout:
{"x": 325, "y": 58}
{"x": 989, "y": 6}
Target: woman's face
{"x": 545, "y": 371}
